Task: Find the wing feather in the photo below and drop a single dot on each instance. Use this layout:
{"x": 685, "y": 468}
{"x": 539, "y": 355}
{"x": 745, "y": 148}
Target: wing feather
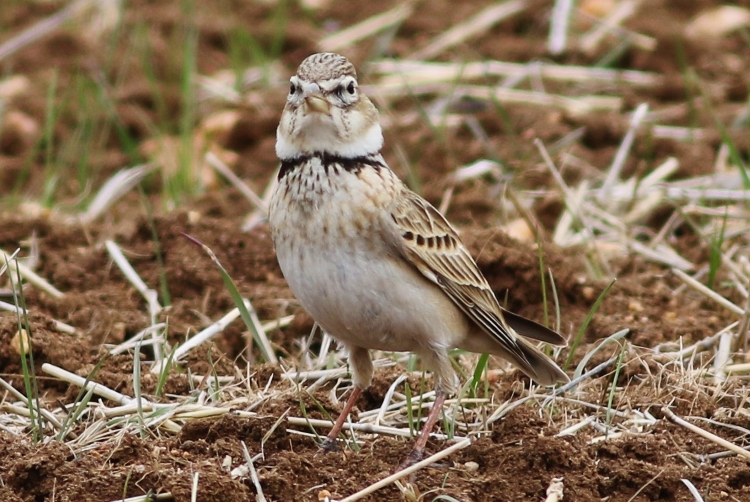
{"x": 452, "y": 268}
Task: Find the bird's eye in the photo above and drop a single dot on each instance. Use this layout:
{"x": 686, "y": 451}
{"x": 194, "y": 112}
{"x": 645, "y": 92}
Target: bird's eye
{"x": 350, "y": 88}
{"x": 292, "y": 88}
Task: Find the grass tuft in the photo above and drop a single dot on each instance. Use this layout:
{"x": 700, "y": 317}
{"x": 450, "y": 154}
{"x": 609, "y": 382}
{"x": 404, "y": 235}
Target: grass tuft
{"x": 26, "y": 353}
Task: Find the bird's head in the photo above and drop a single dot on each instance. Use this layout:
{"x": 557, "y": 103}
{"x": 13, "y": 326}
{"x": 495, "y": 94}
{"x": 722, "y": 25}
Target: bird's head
{"x": 326, "y": 112}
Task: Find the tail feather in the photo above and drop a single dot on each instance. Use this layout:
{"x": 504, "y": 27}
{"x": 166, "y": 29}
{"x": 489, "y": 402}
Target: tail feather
{"x": 543, "y": 370}
{"x": 530, "y": 329}
{"x": 521, "y": 353}
{"x": 537, "y": 365}
{"x": 534, "y": 363}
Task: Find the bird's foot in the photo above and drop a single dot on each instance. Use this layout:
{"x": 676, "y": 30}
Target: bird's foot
{"x": 328, "y": 446}
{"x": 412, "y": 458}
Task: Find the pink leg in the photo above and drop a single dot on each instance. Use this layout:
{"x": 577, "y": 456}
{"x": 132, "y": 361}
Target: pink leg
{"x": 418, "y": 451}
{"x": 329, "y": 444}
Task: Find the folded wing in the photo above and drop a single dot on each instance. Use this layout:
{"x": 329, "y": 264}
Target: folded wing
{"x": 432, "y": 245}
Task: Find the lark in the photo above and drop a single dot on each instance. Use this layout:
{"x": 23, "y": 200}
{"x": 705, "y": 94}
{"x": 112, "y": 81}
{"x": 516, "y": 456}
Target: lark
{"x": 376, "y": 265}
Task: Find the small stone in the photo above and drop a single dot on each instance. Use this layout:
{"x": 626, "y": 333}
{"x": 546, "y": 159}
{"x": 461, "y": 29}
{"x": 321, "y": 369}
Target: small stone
{"x": 240, "y": 472}
{"x": 717, "y": 22}
{"x": 519, "y": 230}
{"x": 20, "y": 342}
{"x": 119, "y": 330}
{"x": 13, "y": 87}
{"x": 635, "y": 306}
{"x": 588, "y": 293}
{"x": 471, "y": 466}
{"x": 226, "y": 464}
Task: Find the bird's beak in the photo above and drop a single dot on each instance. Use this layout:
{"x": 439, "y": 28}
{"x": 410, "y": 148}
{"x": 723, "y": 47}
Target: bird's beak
{"x": 315, "y": 100}
{"x": 318, "y": 104}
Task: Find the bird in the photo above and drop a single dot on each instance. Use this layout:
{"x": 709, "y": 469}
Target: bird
{"x": 376, "y": 265}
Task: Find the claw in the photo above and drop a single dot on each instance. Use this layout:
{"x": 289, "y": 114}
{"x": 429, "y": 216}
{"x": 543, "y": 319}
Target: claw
{"x": 412, "y": 458}
{"x": 328, "y": 446}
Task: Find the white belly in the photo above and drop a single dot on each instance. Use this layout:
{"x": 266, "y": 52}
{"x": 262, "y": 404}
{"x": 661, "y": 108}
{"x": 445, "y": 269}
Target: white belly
{"x": 331, "y": 237}
{"x": 368, "y": 301}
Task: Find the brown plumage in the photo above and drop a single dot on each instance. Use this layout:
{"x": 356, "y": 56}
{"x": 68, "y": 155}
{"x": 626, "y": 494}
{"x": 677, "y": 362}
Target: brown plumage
{"x": 377, "y": 266}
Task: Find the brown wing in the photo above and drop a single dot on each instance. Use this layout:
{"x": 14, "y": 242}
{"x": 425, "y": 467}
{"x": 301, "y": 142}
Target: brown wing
{"x": 432, "y": 245}
{"x": 435, "y": 249}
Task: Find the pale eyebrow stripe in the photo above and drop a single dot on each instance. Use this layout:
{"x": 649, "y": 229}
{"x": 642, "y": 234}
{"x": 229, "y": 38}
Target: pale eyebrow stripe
{"x": 330, "y": 84}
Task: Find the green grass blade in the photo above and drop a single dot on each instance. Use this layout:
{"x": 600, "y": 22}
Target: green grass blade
{"x": 589, "y": 316}
{"x": 479, "y": 370}
{"x": 137, "y": 390}
{"x": 260, "y": 341}
{"x": 714, "y": 251}
{"x": 303, "y": 412}
{"x": 27, "y": 366}
{"x": 409, "y": 411}
{"x": 540, "y": 253}
{"x": 613, "y": 388}
{"x": 166, "y": 297}
{"x": 164, "y": 374}
{"x": 81, "y": 400}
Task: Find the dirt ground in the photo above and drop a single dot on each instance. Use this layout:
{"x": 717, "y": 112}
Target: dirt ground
{"x": 703, "y": 82}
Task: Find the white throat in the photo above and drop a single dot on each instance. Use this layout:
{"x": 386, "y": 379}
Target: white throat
{"x": 319, "y": 138}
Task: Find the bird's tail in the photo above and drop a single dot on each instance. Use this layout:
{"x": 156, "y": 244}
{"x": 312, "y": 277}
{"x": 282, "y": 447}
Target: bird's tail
{"x": 538, "y": 366}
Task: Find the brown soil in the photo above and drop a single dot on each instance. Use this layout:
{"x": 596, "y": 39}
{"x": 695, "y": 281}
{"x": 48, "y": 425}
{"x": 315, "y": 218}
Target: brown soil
{"x": 519, "y": 455}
